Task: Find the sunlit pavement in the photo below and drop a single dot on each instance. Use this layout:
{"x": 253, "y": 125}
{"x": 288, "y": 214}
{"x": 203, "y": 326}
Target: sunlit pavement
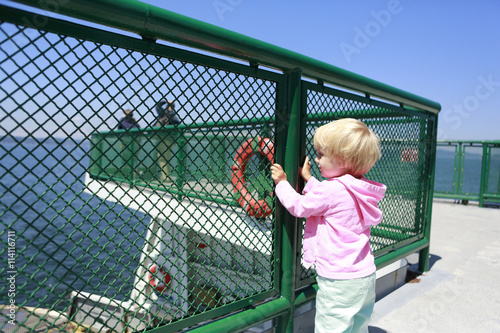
{"x": 460, "y": 292}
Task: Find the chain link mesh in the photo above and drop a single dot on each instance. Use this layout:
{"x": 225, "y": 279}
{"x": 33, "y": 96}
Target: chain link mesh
{"x": 106, "y": 221}
{"x": 403, "y": 167}
{"x": 492, "y": 183}
{"x": 112, "y": 229}
{"x": 460, "y": 174}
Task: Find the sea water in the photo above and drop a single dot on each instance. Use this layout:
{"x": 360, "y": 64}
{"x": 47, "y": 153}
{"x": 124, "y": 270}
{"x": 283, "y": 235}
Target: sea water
{"x": 66, "y": 239}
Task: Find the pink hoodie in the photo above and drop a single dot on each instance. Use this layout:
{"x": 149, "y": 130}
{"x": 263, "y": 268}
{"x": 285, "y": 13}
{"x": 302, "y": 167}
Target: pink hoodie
{"x": 339, "y": 214}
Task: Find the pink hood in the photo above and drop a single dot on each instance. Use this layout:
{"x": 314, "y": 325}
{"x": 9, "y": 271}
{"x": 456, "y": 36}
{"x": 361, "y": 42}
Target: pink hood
{"x": 367, "y": 194}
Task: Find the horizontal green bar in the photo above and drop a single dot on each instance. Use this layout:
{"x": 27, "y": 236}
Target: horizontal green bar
{"x": 229, "y": 200}
{"x": 247, "y": 318}
{"x": 441, "y": 142}
{"x": 157, "y": 23}
{"x": 254, "y": 316}
{"x": 168, "y": 128}
{"x": 393, "y": 235}
{"x": 397, "y": 254}
{"x": 306, "y": 295}
{"x": 456, "y": 196}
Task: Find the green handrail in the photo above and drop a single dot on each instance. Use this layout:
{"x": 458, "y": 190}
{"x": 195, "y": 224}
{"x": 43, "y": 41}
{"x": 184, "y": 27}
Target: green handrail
{"x": 152, "y": 23}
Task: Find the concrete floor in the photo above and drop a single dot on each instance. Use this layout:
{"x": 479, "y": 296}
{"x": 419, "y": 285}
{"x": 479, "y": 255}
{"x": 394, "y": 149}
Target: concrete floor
{"x": 460, "y": 293}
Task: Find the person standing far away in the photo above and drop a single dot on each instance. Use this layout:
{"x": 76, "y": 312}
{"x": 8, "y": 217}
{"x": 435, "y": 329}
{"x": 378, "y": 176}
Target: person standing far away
{"x": 166, "y": 113}
{"x": 126, "y": 140}
{"x": 339, "y": 212}
{"x": 165, "y": 139}
{"x": 128, "y": 121}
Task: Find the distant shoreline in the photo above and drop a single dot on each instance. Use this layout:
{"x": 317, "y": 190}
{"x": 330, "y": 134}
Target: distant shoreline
{"x": 29, "y": 141}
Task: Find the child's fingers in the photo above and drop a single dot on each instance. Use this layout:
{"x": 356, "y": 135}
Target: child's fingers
{"x": 306, "y": 162}
{"x": 276, "y": 167}
{"x": 277, "y": 173}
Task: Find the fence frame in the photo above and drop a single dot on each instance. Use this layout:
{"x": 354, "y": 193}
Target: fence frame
{"x": 152, "y": 23}
{"x": 457, "y": 191}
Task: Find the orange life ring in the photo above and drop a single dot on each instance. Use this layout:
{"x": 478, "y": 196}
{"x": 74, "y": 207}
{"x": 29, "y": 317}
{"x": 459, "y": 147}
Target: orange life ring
{"x": 161, "y": 283}
{"x": 265, "y": 147}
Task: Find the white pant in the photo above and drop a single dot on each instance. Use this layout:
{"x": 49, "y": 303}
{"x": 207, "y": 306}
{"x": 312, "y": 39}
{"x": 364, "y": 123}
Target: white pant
{"x": 344, "y": 305}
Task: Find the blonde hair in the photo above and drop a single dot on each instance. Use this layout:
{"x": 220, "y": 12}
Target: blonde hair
{"x": 350, "y": 142}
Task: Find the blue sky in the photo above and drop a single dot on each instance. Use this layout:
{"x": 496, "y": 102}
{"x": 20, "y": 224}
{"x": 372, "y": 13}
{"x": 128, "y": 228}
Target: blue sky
{"x": 446, "y": 51}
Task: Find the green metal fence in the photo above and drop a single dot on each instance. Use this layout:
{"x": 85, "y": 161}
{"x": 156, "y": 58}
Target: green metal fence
{"x": 176, "y": 227}
{"x": 468, "y": 170}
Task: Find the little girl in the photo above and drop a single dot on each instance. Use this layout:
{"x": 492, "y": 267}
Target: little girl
{"x": 339, "y": 212}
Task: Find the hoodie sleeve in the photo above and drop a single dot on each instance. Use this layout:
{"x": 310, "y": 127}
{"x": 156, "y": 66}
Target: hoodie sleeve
{"x": 314, "y": 202}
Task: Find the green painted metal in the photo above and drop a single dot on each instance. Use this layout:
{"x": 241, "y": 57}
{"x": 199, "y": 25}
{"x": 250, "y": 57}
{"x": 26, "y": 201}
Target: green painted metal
{"x": 482, "y": 164}
{"x": 402, "y": 252}
{"x": 155, "y": 23}
{"x": 424, "y": 253}
{"x": 484, "y": 173}
{"x": 289, "y": 223}
{"x": 88, "y": 207}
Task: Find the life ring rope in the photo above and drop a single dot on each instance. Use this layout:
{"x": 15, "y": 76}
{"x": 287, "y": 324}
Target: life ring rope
{"x": 264, "y": 147}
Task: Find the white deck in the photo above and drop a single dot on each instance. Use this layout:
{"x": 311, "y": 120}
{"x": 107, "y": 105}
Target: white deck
{"x": 221, "y": 222}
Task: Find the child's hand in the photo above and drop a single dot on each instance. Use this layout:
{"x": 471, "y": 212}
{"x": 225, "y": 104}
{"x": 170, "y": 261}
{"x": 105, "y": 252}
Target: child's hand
{"x": 305, "y": 171}
{"x": 277, "y": 173}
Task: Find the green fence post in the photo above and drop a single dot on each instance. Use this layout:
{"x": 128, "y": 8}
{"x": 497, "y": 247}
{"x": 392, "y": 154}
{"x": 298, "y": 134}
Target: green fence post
{"x": 288, "y": 142}
{"x": 95, "y": 164}
{"x": 133, "y": 153}
{"x": 484, "y": 173}
{"x": 497, "y": 191}
{"x": 220, "y": 151}
{"x": 181, "y": 168}
{"x": 422, "y": 167}
{"x": 460, "y": 168}
{"x": 424, "y": 253}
